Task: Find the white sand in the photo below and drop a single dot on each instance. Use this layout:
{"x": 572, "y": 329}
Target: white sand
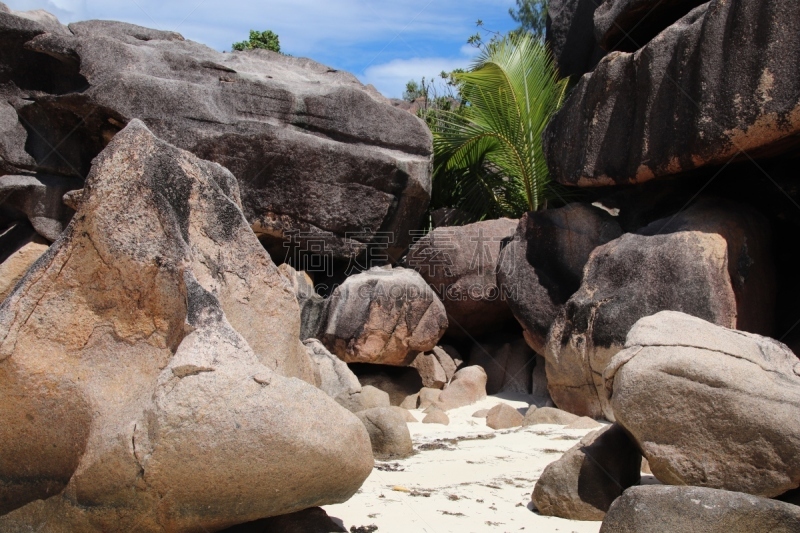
{"x": 472, "y": 486}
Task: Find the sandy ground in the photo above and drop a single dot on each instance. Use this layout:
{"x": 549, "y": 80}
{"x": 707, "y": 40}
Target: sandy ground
{"x": 466, "y": 477}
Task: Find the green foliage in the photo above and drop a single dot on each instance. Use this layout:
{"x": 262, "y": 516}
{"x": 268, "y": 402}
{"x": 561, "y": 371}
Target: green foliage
{"x": 488, "y": 158}
{"x": 531, "y": 16}
{"x": 477, "y": 40}
{"x": 266, "y": 40}
{"x": 413, "y": 90}
{"x": 438, "y": 94}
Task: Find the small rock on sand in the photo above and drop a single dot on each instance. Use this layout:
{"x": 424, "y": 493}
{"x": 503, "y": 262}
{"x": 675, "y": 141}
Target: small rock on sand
{"x": 410, "y": 402}
{"x": 428, "y": 397}
{"x": 468, "y": 386}
{"x": 388, "y": 432}
{"x": 436, "y": 416}
{"x": 503, "y": 416}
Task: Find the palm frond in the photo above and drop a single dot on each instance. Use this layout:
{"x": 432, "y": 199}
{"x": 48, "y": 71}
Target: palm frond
{"x": 490, "y": 153}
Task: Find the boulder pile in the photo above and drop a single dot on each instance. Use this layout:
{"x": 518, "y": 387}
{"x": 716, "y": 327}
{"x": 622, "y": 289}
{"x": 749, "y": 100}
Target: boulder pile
{"x": 217, "y": 308}
{"x": 153, "y": 336}
{"x": 320, "y": 159}
{"x": 689, "y": 113}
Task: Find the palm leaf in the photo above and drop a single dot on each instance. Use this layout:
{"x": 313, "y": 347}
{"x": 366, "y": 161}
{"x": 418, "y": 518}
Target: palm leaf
{"x": 489, "y": 154}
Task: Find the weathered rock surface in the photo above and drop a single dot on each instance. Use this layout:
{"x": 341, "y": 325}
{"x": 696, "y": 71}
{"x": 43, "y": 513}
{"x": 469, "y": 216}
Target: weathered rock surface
{"x": 318, "y": 155}
{"x": 709, "y": 406}
{"x": 383, "y": 316}
{"x": 628, "y": 25}
{"x": 388, "y": 433}
{"x": 460, "y": 264}
{"x": 542, "y": 266}
{"x": 434, "y": 415}
{"x": 627, "y": 279}
{"x": 372, "y": 397}
{"x": 692, "y": 509}
{"x": 17, "y": 264}
{"x": 539, "y": 392}
{"x": 571, "y": 36}
{"x": 717, "y": 82}
{"x": 587, "y": 479}
{"x": 503, "y": 416}
{"x": 467, "y": 387}
{"x": 150, "y": 339}
{"x": 428, "y": 397}
{"x": 430, "y": 371}
{"x": 508, "y": 362}
{"x": 410, "y": 402}
{"x": 405, "y": 413}
{"x": 39, "y": 199}
{"x": 548, "y": 415}
{"x": 312, "y": 305}
{"x": 38, "y": 16}
{"x": 750, "y": 256}
{"x": 334, "y": 377}
{"x": 449, "y": 359}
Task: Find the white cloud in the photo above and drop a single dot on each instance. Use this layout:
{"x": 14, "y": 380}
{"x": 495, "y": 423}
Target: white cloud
{"x": 391, "y": 78}
{"x": 469, "y": 50}
{"x": 372, "y": 38}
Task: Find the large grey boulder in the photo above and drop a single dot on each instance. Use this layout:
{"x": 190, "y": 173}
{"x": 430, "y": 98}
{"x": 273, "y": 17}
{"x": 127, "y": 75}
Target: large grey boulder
{"x": 460, "y": 264}
{"x": 713, "y": 261}
{"x": 321, "y": 159}
{"x": 627, "y": 279}
{"x": 655, "y": 508}
{"x": 383, "y": 316}
{"x": 144, "y": 364}
{"x": 750, "y": 254}
{"x": 714, "y": 84}
{"x": 709, "y": 406}
{"x": 542, "y": 266}
{"x": 587, "y": 479}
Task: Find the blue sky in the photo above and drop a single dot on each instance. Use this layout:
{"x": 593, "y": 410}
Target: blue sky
{"x": 384, "y": 43}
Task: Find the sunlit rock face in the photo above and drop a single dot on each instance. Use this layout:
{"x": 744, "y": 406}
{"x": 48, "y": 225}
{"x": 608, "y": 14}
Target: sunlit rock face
{"x": 144, "y": 362}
